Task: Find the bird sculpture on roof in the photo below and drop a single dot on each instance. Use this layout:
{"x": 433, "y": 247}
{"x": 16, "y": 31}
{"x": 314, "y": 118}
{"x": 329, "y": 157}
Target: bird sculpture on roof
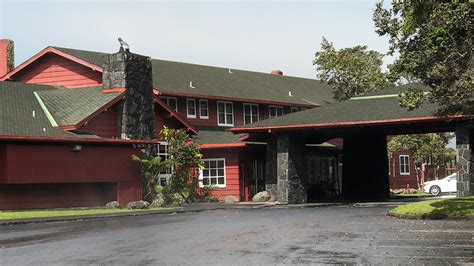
{"x": 123, "y": 45}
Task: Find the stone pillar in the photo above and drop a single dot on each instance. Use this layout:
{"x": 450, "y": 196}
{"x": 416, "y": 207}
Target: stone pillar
{"x": 365, "y": 167}
{"x": 271, "y": 166}
{"x": 464, "y": 160}
{"x": 132, "y": 72}
{"x": 290, "y": 169}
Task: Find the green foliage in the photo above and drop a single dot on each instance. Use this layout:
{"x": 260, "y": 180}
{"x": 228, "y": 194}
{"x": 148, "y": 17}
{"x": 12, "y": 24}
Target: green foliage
{"x": 425, "y": 147}
{"x": 411, "y": 99}
{"x": 350, "y": 71}
{"x": 434, "y": 46}
{"x": 151, "y": 168}
{"x": 184, "y": 158}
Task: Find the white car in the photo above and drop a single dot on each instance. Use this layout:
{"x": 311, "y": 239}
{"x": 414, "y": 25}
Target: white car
{"x": 446, "y": 184}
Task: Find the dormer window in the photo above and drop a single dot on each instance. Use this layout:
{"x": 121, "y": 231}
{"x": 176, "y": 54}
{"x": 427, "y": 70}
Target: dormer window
{"x": 203, "y": 109}
{"x": 171, "y": 102}
{"x": 275, "y": 111}
{"x": 225, "y": 114}
{"x": 191, "y": 108}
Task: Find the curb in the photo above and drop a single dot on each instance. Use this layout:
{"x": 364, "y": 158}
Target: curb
{"x": 126, "y": 214}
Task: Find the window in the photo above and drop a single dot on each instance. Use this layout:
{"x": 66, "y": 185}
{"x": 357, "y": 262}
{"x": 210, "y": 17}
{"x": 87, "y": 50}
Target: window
{"x": 250, "y": 113}
{"x": 191, "y": 108}
{"x": 213, "y": 173}
{"x": 163, "y": 153}
{"x": 225, "y": 114}
{"x": 294, "y": 109}
{"x": 171, "y": 102}
{"x": 404, "y": 165}
{"x": 203, "y": 109}
{"x": 275, "y": 111}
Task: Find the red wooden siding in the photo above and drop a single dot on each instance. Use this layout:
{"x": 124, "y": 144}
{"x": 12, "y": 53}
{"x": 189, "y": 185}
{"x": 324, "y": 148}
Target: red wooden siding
{"x": 53, "y": 69}
{"x": 401, "y": 181}
{"x": 231, "y": 171}
{"x": 163, "y": 118}
{"x": 56, "y": 176}
{"x": 60, "y": 164}
{"x": 104, "y": 125}
{"x": 31, "y": 196}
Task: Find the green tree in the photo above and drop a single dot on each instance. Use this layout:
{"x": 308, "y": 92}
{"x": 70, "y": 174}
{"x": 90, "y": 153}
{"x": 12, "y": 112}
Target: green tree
{"x": 426, "y": 148}
{"x": 350, "y": 71}
{"x": 184, "y": 158}
{"x": 151, "y": 168}
{"x": 434, "y": 45}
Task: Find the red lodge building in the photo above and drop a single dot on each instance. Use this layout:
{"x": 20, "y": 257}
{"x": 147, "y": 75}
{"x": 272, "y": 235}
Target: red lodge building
{"x": 68, "y": 118}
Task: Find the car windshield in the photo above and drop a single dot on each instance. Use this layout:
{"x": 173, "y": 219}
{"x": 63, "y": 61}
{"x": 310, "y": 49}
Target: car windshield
{"x": 450, "y": 177}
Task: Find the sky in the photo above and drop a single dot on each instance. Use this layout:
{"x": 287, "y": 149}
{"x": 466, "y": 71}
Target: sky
{"x": 251, "y": 35}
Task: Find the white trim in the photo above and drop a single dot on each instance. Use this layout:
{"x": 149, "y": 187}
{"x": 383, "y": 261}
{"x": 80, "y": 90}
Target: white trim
{"x": 187, "y": 108}
{"x": 400, "y": 164}
{"x": 251, "y": 119}
{"x": 167, "y": 98}
{"x": 207, "y": 108}
{"x": 225, "y": 114}
{"x": 277, "y": 107}
{"x": 201, "y": 177}
{"x": 45, "y": 110}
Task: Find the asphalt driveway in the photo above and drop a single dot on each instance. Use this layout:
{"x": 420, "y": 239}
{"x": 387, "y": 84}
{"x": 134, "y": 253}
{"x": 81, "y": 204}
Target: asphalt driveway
{"x": 343, "y": 234}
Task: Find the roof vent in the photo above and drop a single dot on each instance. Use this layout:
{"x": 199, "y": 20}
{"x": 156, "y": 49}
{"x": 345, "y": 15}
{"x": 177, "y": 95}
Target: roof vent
{"x": 230, "y": 71}
{"x": 191, "y": 85}
{"x": 277, "y": 72}
{"x": 290, "y": 93}
{"x": 34, "y": 114}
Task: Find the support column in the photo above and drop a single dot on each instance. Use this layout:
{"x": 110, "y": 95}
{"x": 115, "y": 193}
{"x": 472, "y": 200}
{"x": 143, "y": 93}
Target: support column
{"x": 464, "y": 161}
{"x": 271, "y": 166}
{"x": 365, "y": 167}
{"x": 291, "y": 183}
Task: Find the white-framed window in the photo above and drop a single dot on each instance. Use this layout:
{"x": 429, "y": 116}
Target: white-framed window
{"x": 172, "y": 102}
{"x": 163, "y": 153}
{"x": 250, "y": 113}
{"x": 203, "y": 109}
{"x": 294, "y": 109}
{"x": 213, "y": 173}
{"x": 191, "y": 108}
{"x": 275, "y": 111}
{"x": 225, "y": 114}
{"x": 404, "y": 164}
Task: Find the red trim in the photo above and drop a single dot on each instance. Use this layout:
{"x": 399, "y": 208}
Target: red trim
{"x": 234, "y": 99}
{"x": 78, "y": 140}
{"x": 114, "y": 90}
{"x": 49, "y": 49}
{"x": 244, "y": 137}
{"x": 220, "y": 146}
{"x": 176, "y": 115}
{"x": 94, "y": 114}
{"x": 347, "y": 124}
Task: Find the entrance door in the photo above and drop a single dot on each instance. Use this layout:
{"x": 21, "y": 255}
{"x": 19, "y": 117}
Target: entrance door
{"x": 256, "y": 177}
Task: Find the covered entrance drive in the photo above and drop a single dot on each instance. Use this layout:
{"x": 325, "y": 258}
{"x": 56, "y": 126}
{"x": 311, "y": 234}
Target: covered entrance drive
{"x": 364, "y": 124}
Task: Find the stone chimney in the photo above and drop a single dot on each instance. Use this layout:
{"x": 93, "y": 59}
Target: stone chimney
{"x": 7, "y": 56}
{"x": 277, "y": 72}
{"x": 133, "y": 72}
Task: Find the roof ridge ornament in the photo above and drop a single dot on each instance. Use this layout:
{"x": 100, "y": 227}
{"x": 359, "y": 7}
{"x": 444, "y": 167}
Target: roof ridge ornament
{"x": 123, "y": 45}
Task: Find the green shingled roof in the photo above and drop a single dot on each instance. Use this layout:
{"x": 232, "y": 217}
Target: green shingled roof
{"x": 358, "y": 109}
{"x": 69, "y": 107}
{"x": 209, "y": 136}
{"x": 17, "y": 105}
{"x": 174, "y": 77}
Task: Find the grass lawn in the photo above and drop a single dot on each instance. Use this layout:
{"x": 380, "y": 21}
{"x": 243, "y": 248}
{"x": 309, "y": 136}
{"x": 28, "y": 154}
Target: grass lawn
{"x": 436, "y": 209}
{"x": 8, "y": 215}
{"x": 414, "y": 195}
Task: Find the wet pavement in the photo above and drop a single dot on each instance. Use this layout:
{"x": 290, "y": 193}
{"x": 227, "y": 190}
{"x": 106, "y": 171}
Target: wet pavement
{"x": 338, "y": 234}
